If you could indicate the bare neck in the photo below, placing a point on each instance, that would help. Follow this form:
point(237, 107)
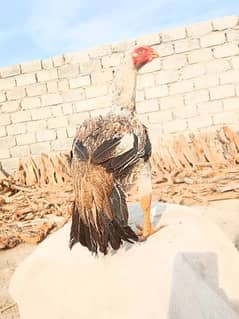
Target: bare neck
point(124, 86)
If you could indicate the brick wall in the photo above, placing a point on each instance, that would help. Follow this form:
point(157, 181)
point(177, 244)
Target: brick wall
point(194, 85)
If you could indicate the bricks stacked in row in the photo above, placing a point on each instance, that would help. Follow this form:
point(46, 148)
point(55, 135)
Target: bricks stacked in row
point(193, 85)
point(42, 102)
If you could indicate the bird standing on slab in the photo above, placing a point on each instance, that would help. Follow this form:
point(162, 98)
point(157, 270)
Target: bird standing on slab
point(109, 155)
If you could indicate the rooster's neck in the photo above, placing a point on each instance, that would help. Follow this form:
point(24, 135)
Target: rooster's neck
point(124, 86)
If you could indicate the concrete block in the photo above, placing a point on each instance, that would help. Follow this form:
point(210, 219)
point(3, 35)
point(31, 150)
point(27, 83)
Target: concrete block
point(57, 122)
point(10, 107)
point(213, 39)
point(225, 22)
point(31, 66)
point(226, 118)
point(36, 89)
point(232, 35)
point(174, 126)
point(25, 79)
point(102, 76)
point(25, 139)
point(45, 135)
point(62, 145)
point(149, 39)
point(20, 116)
point(63, 85)
point(226, 50)
point(196, 97)
point(174, 62)
point(16, 93)
point(206, 81)
point(100, 51)
point(52, 87)
point(47, 75)
point(47, 64)
point(192, 71)
point(41, 113)
point(5, 119)
point(67, 108)
point(185, 112)
point(3, 131)
point(68, 71)
point(51, 99)
point(217, 66)
point(97, 90)
point(76, 57)
point(160, 117)
point(7, 142)
point(36, 125)
point(61, 133)
point(231, 76)
point(199, 29)
point(173, 34)
point(20, 151)
point(201, 55)
point(181, 87)
point(11, 70)
point(199, 122)
point(231, 104)
point(235, 62)
point(222, 91)
point(56, 110)
point(139, 96)
point(15, 129)
point(145, 80)
point(147, 106)
point(210, 107)
point(73, 95)
point(71, 131)
point(164, 49)
point(111, 61)
point(4, 153)
point(58, 60)
point(2, 97)
point(39, 148)
point(81, 81)
point(171, 102)
point(186, 45)
point(7, 84)
point(153, 66)
point(151, 93)
point(165, 77)
point(30, 103)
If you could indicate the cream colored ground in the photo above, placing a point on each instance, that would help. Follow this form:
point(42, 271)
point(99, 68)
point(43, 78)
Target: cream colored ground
point(224, 213)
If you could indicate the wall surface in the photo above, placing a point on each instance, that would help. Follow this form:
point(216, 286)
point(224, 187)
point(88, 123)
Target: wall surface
point(194, 85)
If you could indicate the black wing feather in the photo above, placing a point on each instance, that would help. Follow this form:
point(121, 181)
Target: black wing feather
point(105, 150)
point(79, 150)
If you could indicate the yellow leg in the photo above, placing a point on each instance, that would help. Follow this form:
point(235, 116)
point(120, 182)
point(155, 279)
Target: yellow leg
point(145, 203)
point(147, 229)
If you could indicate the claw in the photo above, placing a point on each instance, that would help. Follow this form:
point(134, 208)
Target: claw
point(143, 234)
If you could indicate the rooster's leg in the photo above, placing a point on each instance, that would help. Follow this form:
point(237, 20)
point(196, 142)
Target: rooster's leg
point(147, 228)
point(145, 192)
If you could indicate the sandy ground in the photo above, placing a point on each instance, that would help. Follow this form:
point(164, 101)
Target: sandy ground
point(224, 213)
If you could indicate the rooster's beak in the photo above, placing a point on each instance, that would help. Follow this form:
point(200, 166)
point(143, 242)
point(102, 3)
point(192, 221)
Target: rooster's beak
point(155, 55)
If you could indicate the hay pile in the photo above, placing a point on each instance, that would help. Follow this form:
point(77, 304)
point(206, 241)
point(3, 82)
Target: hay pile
point(194, 169)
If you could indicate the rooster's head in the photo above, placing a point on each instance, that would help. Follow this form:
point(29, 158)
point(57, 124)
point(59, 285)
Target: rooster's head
point(142, 55)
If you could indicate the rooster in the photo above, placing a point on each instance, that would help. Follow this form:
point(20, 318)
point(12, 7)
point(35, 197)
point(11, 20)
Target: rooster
point(109, 155)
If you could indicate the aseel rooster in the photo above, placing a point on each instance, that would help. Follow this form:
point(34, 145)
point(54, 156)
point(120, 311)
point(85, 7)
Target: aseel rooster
point(109, 155)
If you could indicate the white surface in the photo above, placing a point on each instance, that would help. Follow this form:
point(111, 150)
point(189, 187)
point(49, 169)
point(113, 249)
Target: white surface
point(187, 270)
